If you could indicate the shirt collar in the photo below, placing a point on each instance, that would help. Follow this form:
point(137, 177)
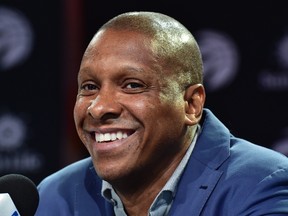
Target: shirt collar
point(165, 196)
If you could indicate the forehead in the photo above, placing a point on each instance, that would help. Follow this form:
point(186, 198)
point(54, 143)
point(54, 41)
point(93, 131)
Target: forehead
point(114, 47)
point(116, 39)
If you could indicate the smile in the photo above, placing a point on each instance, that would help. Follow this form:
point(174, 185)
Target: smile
point(107, 137)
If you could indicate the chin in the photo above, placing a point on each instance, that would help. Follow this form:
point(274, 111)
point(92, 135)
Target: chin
point(109, 172)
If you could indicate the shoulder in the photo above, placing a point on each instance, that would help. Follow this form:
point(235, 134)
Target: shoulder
point(249, 156)
point(229, 151)
point(69, 174)
point(247, 173)
point(64, 184)
point(75, 187)
point(255, 174)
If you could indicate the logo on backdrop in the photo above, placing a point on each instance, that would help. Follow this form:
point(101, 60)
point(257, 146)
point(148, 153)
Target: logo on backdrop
point(220, 57)
point(12, 132)
point(276, 78)
point(16, 38)
point(14, 156)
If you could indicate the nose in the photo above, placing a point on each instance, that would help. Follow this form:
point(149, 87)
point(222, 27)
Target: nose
point(104, 106)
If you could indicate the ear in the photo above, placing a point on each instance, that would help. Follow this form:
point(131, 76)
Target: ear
point(194, 102)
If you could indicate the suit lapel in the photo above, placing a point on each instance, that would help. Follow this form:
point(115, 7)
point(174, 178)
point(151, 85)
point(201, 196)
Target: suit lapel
point(202, 173)
point(88, 199)
point(195, 187)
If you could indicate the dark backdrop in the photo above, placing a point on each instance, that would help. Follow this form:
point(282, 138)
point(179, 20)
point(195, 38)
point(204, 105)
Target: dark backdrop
point(245, 52)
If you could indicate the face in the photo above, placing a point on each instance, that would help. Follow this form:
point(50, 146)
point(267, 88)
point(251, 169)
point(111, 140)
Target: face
point(129, 114)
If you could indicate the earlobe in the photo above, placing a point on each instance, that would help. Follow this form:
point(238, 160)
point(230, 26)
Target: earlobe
point(194, 103)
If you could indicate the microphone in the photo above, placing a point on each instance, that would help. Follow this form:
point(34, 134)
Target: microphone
point(7, 206)
point(18, 196)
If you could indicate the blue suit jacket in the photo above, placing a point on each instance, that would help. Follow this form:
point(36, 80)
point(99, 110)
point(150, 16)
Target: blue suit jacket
point(224, 176)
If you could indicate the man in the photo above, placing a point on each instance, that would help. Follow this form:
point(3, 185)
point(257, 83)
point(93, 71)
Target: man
point(154, 149)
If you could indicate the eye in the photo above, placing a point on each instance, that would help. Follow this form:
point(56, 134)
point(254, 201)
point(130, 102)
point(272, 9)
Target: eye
point(134, 85)
point(88, 87)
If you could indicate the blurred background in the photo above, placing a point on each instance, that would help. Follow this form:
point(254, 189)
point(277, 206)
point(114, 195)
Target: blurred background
point(245, 53)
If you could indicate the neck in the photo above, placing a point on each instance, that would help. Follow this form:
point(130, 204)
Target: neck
point(138, 192)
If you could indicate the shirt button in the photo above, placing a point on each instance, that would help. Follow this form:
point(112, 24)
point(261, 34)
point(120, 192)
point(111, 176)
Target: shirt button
point(114, 202)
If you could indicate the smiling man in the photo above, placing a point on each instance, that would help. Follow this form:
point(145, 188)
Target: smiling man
point(154, 149)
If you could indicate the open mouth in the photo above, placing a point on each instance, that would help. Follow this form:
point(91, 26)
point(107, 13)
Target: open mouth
point(109, 137)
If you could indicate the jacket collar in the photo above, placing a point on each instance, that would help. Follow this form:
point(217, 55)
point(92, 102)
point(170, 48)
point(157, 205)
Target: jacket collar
point(201, 174)
point(199, 178)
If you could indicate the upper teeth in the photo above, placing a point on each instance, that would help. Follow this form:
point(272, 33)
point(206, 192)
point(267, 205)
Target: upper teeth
point(100, 137)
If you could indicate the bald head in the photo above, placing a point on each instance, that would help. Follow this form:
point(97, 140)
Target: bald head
point(171, 43)
point(141, 75)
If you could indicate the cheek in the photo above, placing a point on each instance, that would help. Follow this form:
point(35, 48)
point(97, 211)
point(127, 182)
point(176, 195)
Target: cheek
point(76, 112)
point(143, 107)
point(161, 117)
point(170, 119)
point(157, 110)
point(147, 103)
point(79, 112)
